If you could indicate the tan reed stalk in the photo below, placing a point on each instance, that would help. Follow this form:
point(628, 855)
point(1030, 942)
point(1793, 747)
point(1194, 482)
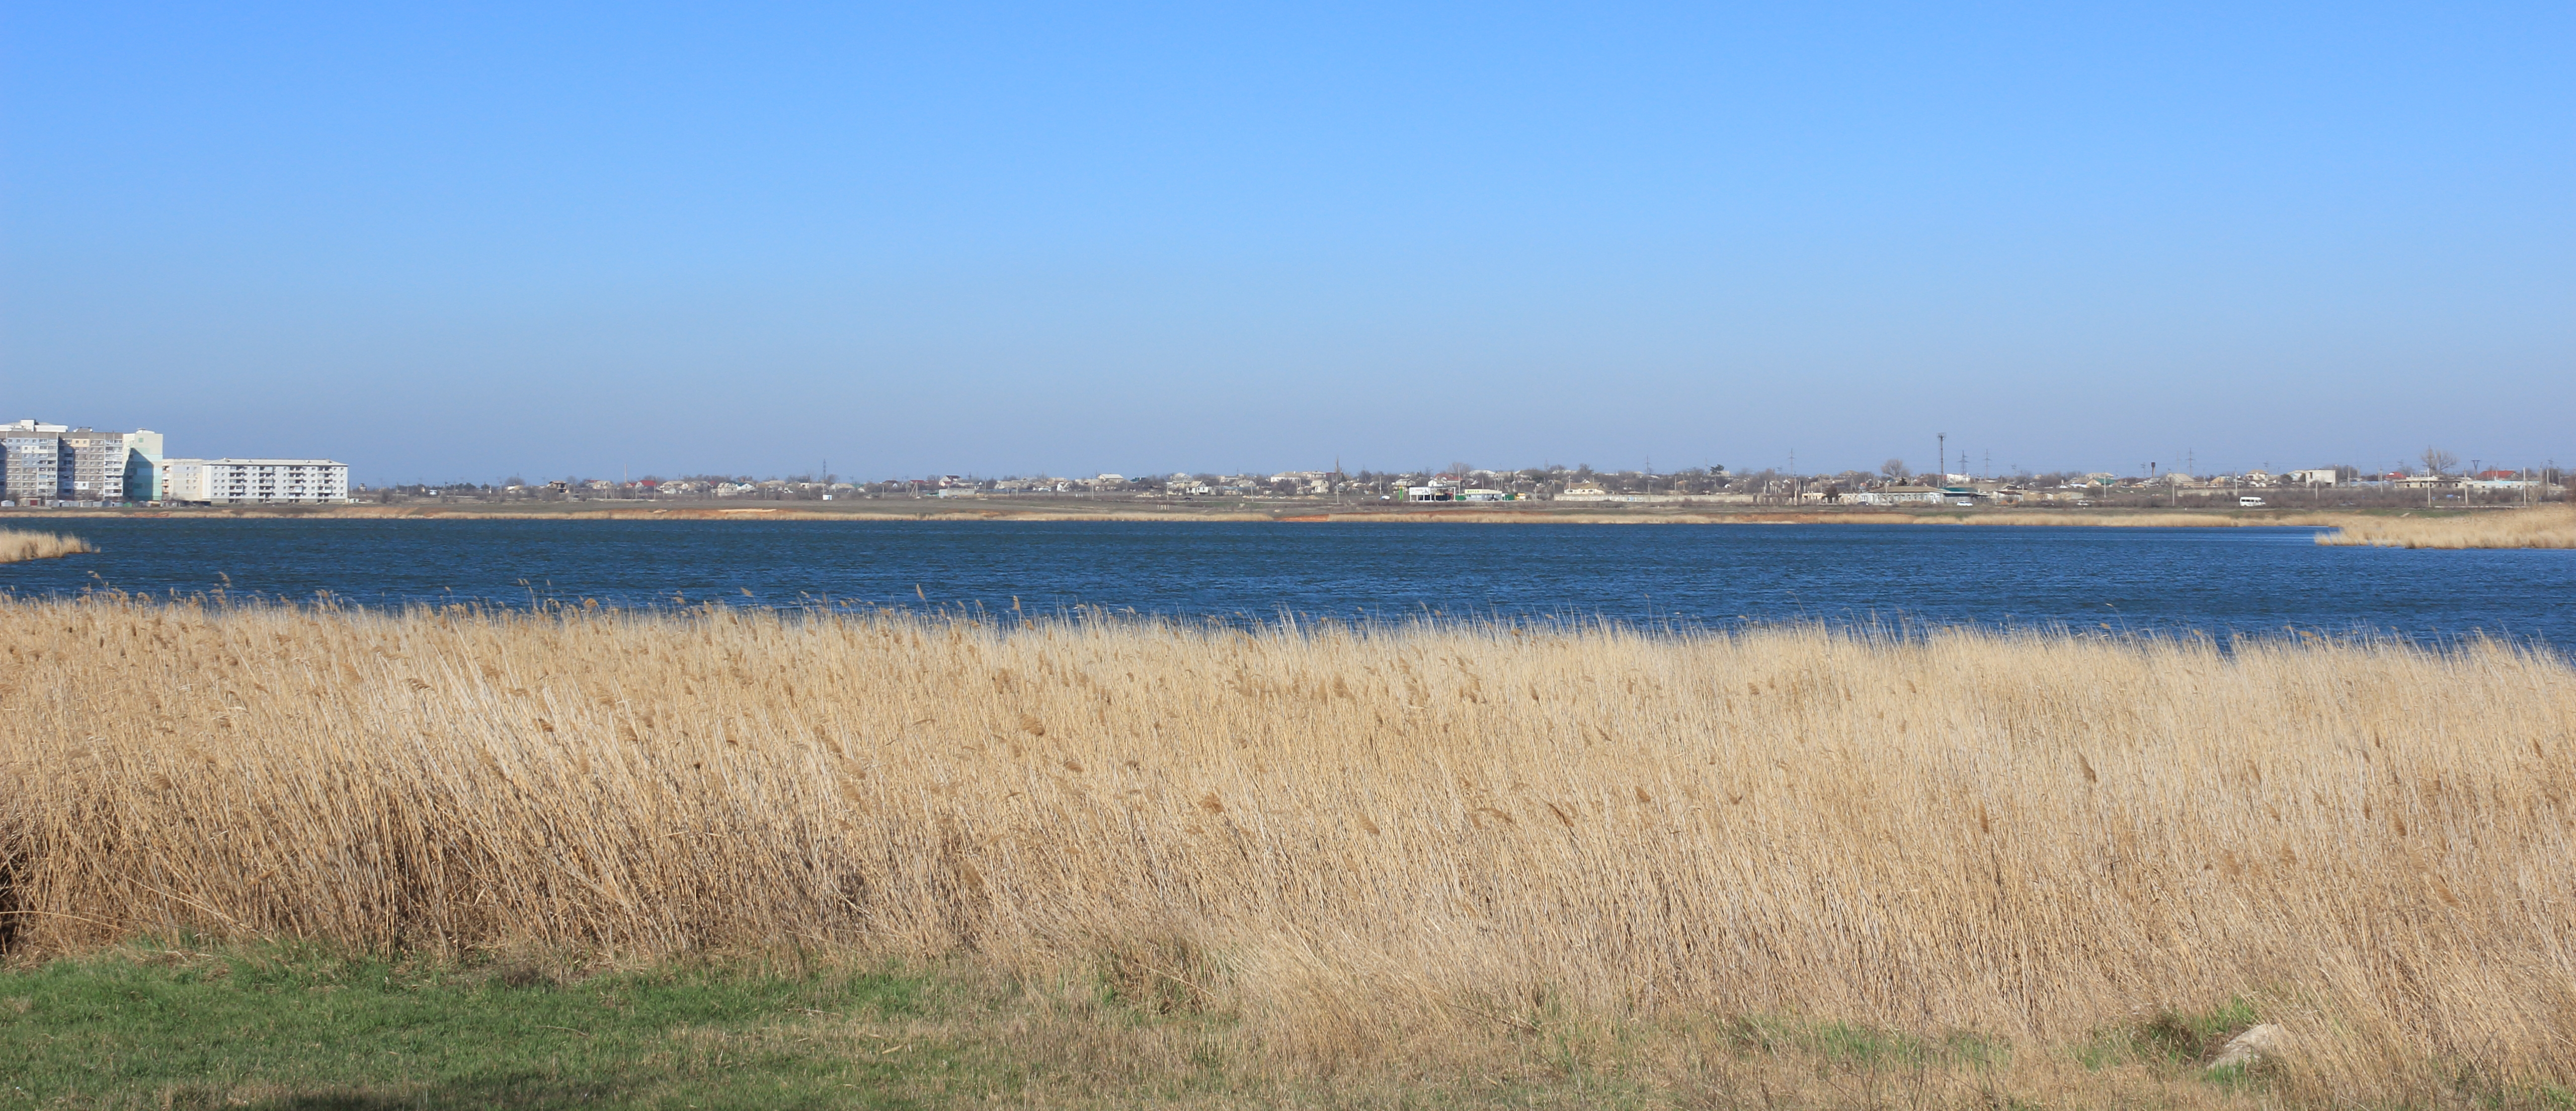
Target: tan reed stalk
point(1354, 838)
point(17, 545)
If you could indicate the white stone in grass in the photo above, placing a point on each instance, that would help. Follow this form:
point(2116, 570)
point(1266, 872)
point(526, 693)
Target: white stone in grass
point(2267, 1040)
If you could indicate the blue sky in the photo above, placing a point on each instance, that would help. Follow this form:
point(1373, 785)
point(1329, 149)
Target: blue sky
point(466, 241)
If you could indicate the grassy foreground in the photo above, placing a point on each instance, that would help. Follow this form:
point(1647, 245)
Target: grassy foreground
point(289, 1026)
point(1784, 866)
point(294, 1026)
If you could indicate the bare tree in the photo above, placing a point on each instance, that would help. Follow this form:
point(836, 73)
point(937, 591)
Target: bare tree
point(1893, 468)
point(2438, 461)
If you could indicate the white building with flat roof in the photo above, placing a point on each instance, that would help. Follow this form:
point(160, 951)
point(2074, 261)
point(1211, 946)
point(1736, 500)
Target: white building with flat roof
point(254, 481)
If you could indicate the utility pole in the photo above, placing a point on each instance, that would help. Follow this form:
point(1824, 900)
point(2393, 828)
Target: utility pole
point(1941, 459)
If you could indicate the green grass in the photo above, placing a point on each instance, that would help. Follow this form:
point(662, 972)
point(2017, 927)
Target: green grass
point(289, 1028)
point(301, 1027)
point(2175, 1038)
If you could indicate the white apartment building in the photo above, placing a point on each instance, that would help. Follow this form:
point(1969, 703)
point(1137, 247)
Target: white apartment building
point(251, 481)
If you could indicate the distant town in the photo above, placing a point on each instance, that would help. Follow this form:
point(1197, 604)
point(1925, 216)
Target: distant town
point(65, 466)
point(1891, 485)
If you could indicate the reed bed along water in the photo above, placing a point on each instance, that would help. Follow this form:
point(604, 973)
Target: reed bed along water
point(1356, 840)
point(2544, 527)
point(18, 544)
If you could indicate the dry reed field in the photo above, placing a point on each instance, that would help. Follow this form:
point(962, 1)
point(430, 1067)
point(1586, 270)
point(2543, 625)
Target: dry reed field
point(1407, 844)
point(17, 545)
point(2545, 527)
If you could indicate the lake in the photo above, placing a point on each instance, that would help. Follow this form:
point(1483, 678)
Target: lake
point(2220, 580)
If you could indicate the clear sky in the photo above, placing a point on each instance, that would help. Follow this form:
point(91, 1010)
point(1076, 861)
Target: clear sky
point(446, 241)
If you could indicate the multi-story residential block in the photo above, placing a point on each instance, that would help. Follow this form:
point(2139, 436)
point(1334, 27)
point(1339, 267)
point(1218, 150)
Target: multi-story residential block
point(32, 468)
point(183, 480)
point(239, 481)
point(93, 466)
point(42, 463)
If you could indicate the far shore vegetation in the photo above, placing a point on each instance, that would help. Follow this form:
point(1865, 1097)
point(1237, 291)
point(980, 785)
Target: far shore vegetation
point(298, 857)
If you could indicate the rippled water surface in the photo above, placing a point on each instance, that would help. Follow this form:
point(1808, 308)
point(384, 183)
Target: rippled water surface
point(2215, 580)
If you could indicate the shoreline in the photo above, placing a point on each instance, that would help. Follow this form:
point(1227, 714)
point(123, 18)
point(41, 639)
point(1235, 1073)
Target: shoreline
point(1132, 512)
point(2547, 526)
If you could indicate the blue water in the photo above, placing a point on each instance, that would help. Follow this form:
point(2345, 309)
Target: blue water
point(2257, 580)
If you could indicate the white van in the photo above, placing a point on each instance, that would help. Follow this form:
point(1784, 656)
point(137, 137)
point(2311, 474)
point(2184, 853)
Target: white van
point(2249, 501)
